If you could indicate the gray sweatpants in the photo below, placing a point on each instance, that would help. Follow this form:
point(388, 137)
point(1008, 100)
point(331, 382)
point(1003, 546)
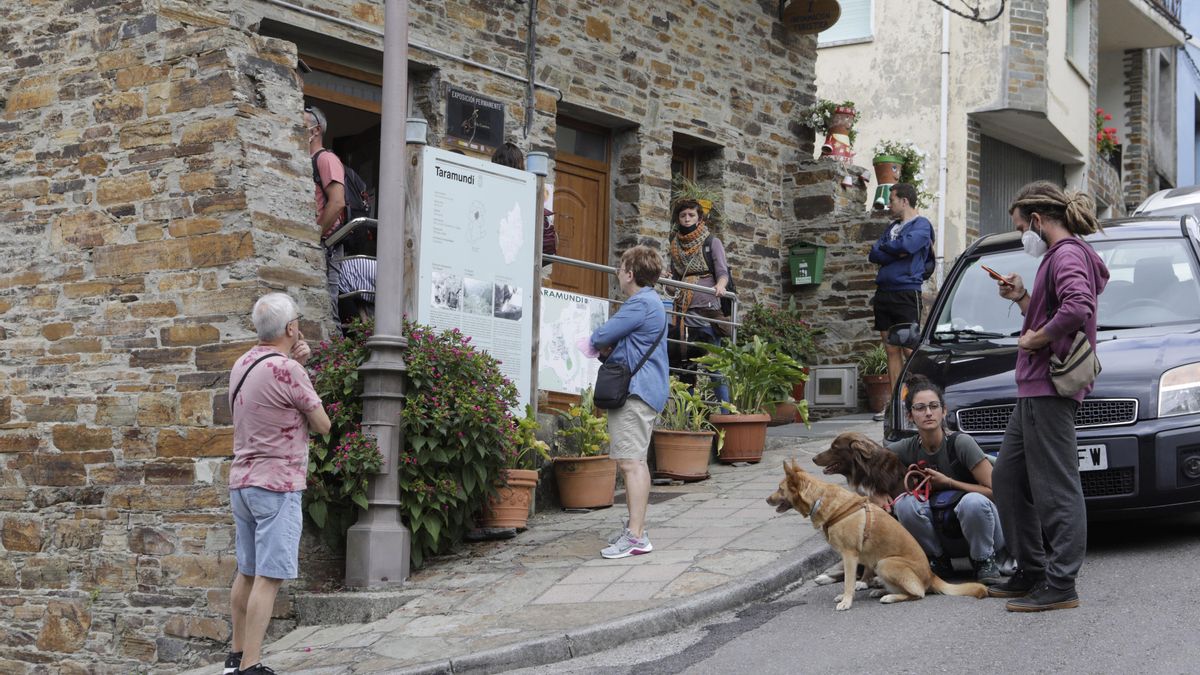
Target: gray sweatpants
point(1037, 490)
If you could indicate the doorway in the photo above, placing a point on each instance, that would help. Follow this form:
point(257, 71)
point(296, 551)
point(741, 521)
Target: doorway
point(351, 100)
point(581, 205)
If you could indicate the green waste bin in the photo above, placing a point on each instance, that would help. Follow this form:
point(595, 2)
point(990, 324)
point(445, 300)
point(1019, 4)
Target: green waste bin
point(806, 261)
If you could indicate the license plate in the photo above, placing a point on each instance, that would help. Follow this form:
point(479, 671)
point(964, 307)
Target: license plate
point(1093, 458)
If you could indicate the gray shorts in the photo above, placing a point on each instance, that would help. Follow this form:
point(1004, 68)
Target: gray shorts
point(629, 429)
point(268, 532)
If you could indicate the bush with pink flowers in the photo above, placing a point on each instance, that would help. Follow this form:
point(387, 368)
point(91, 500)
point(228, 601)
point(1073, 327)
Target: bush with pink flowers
point(1106, 137)
point(459, 433)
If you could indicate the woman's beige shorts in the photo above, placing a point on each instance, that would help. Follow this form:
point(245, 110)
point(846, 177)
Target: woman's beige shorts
point(629, 429)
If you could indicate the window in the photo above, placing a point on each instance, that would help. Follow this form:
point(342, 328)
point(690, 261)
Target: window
point(1079, 23)
point(856, 24)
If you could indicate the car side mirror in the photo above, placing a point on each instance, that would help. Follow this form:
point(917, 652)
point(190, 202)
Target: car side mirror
point(907, 335)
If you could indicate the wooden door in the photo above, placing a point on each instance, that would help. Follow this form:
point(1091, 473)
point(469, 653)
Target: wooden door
point(581, 219)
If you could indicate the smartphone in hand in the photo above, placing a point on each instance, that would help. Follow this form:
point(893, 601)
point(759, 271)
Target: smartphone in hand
point(994, 274)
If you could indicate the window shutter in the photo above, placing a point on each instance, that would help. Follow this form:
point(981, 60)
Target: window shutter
point(853, 24)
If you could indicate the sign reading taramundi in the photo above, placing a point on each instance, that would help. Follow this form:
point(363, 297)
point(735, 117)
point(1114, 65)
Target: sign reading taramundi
point(478, 237)
point(810, 16)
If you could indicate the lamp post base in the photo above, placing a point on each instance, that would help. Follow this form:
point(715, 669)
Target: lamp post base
point(377, 554)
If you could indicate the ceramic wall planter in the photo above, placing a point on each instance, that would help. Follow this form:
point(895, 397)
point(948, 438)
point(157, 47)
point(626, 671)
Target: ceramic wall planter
point(745, 437)
point(682, 455)
point(837, 140)
point(887, 174)
point(510, 506)
point(586, 482)
point(879, 390)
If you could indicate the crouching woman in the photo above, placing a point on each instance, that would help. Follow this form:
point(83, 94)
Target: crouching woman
point(952, 462)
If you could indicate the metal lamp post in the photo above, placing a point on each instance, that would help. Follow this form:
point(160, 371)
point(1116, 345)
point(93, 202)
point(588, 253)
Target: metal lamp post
point(377, 546)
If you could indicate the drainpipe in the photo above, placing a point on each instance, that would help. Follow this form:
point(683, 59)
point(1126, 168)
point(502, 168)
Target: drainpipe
point(943, 152)
point(530, 59)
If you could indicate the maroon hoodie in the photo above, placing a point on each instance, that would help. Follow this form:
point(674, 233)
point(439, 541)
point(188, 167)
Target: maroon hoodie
point(1079, 277)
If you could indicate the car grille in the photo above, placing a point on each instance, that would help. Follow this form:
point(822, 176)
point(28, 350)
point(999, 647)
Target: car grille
point(1095, 412)
point(1107, 483)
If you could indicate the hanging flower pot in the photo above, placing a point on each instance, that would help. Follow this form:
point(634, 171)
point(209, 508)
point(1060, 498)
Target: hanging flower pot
point(838, 142)
point(887, 168)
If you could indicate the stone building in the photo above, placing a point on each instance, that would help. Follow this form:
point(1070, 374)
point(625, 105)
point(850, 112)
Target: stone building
point(1021, 94)
point(156, 182)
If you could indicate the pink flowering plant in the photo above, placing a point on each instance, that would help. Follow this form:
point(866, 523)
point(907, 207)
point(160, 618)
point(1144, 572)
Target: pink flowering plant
point(1106, 137)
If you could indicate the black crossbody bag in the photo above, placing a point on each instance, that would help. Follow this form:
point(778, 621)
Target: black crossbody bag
point(612, 382)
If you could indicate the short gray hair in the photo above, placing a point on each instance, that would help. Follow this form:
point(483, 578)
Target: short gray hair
point(318, 116)
point(271, 315)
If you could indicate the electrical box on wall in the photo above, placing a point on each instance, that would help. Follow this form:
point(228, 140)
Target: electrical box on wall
point(832, 386)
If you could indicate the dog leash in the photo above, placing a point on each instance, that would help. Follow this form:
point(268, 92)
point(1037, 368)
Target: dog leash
point(916, 483)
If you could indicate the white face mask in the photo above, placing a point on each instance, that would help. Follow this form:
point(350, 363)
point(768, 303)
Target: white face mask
point(1033, 244)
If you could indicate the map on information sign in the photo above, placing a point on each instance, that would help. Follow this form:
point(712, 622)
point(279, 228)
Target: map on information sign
point(567, 318)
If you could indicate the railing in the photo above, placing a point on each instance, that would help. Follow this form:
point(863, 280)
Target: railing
point(1171, 8)
point(732, 323)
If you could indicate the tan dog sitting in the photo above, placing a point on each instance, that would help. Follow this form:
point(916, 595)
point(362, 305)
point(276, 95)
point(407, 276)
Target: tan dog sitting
point(862, 532)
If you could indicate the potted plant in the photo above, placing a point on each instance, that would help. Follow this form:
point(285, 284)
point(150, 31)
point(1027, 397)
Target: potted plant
point(836, 121)
point(509, 507)
point(912, 166)
point(684, 435)
point(873, 366)
point(759, 373)
point(586, 476)
point(797, 337)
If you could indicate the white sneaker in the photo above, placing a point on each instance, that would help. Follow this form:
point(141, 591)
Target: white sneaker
point(627, 545)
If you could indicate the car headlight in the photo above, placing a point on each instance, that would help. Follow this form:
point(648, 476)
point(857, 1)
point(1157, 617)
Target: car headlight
point(1179, 391)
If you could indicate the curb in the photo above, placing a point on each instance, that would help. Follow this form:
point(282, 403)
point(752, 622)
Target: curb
point(806, 561)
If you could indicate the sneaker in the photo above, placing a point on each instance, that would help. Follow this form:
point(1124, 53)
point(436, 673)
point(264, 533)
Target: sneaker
point(1044, 597)
point(257, 669)
point(1018, 585)
point(879, 416)
point(942, 566)
point(627, 545)
point(231, 663)
point(987, 571)
point(625, 526)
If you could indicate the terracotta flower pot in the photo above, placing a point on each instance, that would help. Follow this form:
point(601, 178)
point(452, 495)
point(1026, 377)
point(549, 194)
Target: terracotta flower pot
point(510, 506)
point(783, 413)
point(586, 482)
point(837, 139)
point(887, 169)
point(682, 455)
point(879, 390)
point(745, 437)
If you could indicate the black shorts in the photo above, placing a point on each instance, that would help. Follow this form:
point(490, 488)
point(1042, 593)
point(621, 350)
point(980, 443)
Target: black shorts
point(893, 307)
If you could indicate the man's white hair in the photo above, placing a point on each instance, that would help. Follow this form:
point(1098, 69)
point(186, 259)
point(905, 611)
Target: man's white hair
point(271, 315)
point(319, 117)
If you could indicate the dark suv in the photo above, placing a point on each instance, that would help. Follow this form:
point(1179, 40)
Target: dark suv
point(1139, 429)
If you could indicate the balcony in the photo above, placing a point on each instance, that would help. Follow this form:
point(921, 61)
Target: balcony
point(1139, 24)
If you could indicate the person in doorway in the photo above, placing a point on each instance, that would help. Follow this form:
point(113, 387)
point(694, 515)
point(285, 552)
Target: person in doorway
point(510, 155)
point(698, 257)
point(329, 177)
point(638, 327)
point(1036, 481)
point(900, 252)
point(274, 408)
point(952, 462)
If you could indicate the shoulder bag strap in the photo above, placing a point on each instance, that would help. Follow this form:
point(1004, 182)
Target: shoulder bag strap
point(651, 350)
point(242, 381)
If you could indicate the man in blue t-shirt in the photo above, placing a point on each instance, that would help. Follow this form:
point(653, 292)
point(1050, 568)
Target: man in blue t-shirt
point(900, 252)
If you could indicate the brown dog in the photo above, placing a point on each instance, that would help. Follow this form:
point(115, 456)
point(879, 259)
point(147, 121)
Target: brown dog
point(863, 532)
point(870, 469)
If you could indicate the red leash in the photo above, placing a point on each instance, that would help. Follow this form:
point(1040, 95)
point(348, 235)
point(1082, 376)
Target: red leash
point(916, 483)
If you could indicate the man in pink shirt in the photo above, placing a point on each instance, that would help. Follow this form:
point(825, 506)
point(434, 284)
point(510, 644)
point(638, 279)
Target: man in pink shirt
point(329, 179)
point(274, 408)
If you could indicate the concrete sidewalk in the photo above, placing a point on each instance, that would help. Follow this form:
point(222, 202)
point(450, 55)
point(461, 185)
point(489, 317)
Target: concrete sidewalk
point(547, 595)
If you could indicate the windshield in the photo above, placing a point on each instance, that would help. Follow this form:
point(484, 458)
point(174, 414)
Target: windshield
point(1151, 282)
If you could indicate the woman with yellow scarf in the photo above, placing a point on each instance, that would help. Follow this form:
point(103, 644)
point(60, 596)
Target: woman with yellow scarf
point(689, 237)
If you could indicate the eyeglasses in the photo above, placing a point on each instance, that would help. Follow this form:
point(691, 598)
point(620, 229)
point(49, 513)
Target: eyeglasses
point(296, 318)
point(922, 407)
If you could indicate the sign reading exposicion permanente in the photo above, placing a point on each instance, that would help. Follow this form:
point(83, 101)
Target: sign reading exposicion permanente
point(477, 121)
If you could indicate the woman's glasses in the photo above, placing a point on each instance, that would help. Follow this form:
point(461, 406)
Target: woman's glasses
point(922, 407)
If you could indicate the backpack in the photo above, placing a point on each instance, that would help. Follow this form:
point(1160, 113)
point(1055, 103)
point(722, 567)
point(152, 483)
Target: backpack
point(942, 503)
point(358, 204)
point(930, 258)
point(726, 303)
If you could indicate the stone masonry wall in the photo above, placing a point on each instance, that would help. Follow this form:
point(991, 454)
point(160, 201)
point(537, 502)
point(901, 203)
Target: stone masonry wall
point(1137, 155)
point(155, 183)
point(1027, 55)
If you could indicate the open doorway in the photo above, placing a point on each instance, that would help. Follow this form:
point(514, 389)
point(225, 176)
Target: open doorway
point(351, 101)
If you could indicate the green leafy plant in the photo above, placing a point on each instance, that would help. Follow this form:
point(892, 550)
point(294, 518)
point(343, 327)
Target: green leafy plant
point(709, 198)
point(784, 326)
point(689, 406)
point(458, 428)
point(913, 166)
point(581, 432)
point(873, 361)
point(526, 448)
point(819, 115)
point(340, 463)
point(759, 373)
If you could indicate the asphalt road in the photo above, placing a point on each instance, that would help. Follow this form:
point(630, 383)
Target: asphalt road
point(1140, 613)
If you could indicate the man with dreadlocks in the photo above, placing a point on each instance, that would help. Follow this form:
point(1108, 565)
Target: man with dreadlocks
point(690, 237)
point(1036, 480)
